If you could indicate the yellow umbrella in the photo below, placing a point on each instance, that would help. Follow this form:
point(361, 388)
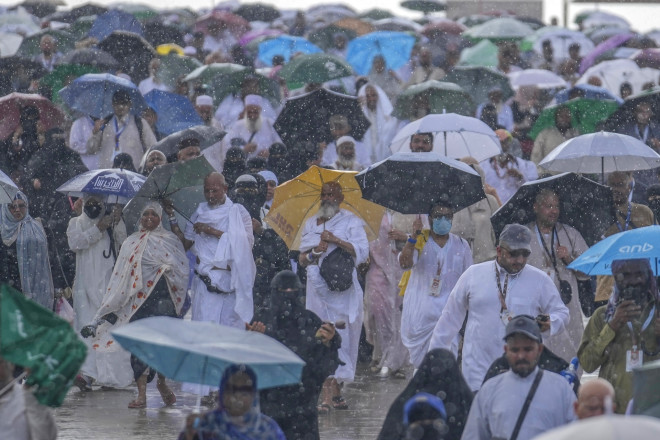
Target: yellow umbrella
point(299, 199)
point(166, 49)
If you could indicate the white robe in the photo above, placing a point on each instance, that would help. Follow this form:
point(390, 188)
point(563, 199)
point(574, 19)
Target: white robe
point(529, 292)
point(93, 273)
point(232, 106)
point(496, 407)
point(383, 126)
point(421, 311)
point(338, 306)
point(264, 137)
point(505, 185)
point(81, 131)
point(103, 142)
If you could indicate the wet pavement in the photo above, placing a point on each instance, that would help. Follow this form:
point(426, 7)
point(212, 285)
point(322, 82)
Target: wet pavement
point(104, 414)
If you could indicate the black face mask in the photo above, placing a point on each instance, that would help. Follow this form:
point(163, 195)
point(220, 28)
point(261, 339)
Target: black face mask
point(93, 210)
point(655, 207)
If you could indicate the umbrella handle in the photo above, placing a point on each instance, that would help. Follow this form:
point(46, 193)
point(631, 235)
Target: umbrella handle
point(182, 214)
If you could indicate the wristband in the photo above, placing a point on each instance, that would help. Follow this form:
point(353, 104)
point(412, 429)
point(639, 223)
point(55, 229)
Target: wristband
point(315, 254)
point(412, 240)
point(173, 220)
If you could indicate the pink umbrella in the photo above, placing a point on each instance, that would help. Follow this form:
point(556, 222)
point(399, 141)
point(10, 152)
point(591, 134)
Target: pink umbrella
point(237, 25)
point(443, 26)
point(647, 58)
point(611, 43)
point(251, 35)
point(10, 112)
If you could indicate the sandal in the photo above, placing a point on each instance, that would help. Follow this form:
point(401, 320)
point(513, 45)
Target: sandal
point(137, 404)
point(323, 409)
point(81, 383)
point(338, 402)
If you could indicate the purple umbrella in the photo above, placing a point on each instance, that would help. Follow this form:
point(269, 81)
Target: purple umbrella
point(611, 43)
point(251, 35)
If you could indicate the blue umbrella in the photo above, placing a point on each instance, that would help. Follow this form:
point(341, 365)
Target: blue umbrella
point(121, 184)
point(286, 46)
point(589, 92)
point(395, 47)
point(636, 243)
point(114, 20)
point(198, 352)
point(175, 112)
point(91, 94)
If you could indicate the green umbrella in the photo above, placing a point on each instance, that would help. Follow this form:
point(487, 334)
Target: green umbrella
point(325, 37)
point(30, 45)
point(585, 115)
point(425, 6)
point(527, 44)
point(442, 97)
point(62, 75)
point(376, 14)
point(478, 81)
point(205, 73)
point(140, 11)
point(315, 68)
point(646, 391)
point(483, 54)
point(499, 29)
point(80, 28)
point(173, 67)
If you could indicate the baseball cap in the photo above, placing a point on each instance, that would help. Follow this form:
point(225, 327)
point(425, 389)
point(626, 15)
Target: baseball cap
point(515, 236)
point(523, 325)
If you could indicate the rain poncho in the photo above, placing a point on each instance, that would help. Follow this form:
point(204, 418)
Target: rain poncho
point(383, 126)
point(32, 253)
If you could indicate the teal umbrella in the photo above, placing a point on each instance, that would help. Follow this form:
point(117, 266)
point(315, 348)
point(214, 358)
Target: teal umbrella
point(436, 96)
point(478, 81)
point(586, 114)
point(499, 29)
point(483, 54)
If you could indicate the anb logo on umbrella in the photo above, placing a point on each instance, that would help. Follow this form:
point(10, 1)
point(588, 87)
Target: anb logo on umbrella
point(109, 181)
point(646, 247)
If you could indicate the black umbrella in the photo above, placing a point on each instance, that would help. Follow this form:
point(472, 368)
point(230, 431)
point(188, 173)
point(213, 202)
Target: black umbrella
point(625, 114)
point(425, 6)
point(158, 33)
point(410, 183)
point(91, 57)
point(38, 8)
point(305, 117)
point(132, 51)
point(584, 204)
point(207, 136)
point(257, 12)
point(75, 13)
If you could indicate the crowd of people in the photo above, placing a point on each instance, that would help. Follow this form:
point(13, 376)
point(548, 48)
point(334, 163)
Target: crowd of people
point(438, 292)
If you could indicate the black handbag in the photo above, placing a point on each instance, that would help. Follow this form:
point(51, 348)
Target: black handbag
point(337, 270)
point(565, 290)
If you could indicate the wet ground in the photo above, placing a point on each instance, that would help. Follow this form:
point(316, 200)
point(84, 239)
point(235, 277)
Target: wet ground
point(104, 414)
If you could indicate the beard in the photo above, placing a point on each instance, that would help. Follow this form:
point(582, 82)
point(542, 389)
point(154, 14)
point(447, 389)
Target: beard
point(253, 126)
point(345, 162)
point(328, 209)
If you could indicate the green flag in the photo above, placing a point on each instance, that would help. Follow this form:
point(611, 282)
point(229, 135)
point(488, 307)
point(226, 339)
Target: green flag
point(35, 338)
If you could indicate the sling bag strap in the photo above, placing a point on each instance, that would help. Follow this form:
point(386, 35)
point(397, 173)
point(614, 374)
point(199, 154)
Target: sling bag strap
point(528, 401)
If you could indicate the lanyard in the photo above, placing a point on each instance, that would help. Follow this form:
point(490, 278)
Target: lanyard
point(501, 292)
point(118, 132)
point(550, 253)
point(627, 223)
point(641, 136)
point(644, 326)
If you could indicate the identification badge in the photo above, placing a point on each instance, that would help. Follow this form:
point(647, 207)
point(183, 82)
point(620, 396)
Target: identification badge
point(436, 285)
point(634, 359)
point(506, 316)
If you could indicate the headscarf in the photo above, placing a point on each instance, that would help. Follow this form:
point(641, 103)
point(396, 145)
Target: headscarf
point(143, 162)
point(234, 166)
point(31, 252)
point(217, 424)
point(380, 134)
point(145, 256)
point(438, 375)
point(641, 264)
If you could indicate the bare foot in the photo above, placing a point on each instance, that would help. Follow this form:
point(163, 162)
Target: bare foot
point(137, 404)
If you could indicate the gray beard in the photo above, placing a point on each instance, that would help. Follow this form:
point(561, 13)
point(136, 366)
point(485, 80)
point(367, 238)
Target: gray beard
point(327, 210)
point(345, 163)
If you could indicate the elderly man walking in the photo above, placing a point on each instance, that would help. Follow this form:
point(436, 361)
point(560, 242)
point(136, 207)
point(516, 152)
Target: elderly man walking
point(335, 235)
point(254, 128)
point(490, 294)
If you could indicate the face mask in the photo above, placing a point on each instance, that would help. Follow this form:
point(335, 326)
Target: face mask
point(93, 210)
point(441, 226)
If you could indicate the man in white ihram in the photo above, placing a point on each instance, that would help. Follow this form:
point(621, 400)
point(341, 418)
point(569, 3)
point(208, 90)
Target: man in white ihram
point(255, 128)
point(330, 229)
point(493, 292)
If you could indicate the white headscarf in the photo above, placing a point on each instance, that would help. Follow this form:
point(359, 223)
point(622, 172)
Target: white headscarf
point(379, 135)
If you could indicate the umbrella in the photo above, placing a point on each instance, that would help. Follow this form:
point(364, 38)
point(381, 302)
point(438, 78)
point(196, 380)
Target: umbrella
point(81, 27)
point(543, 79)
point(586, 115)
point(286, 46)
point(454, 136)
point(561, 39)
point(394, 47)
point(609, 44)
point(62, 75)
point(398, 24)
point(173, 67)
point(306, 117)
point(207, 72)
point(597, 19)
point(425, 6)
point(10, 43)
point(258, 33)
point(10, 107)
point(410, 182)
point(355, 24)
point(436, 97)
point(157, 33)
point(607, 427)
point(615, 72)
point(107, 182)
point(601, 152)
point(132, 51)
point(30, 45)
point(635, 243)
point(484, 54)
point(329, 13)
point(315, 68)
point(170, 49)
point(499, 29)
point(645, 390)
point(443, 26)
point(298, 199)
point(198, 352)
point(19, 21)
point(138, 10)
point(91, 94)
point(8, 188)
point(376, 14)
point(207, 136)
point(587, 91)
point(257, 12)
point(237, 25)
point(175, 112)
point(114, 20)
point(478, 81)
point(180, 182)
point(584, 205)
point(626, 113)
point(223, 79)
point(647, 58)
point(74, 14)
point(91, 57)
point(325, 36)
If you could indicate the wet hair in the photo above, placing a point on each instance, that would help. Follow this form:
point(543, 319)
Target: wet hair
point(123, 161)
point(189, 142)
point(121, 97)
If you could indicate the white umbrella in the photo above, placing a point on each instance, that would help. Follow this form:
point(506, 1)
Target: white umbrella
point(561, 39)
point(543, 79)
point(8, 188)
point(607, 427)
point(613, 73)
point(454, 136)
point(599, 19)
point(601, 152)
point(9, 43)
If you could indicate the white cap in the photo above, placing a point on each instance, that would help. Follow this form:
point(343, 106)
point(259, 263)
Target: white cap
point(253, 100)
point(189, 50)
point(269, 175)
point(344, 139)
point(204, 100)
